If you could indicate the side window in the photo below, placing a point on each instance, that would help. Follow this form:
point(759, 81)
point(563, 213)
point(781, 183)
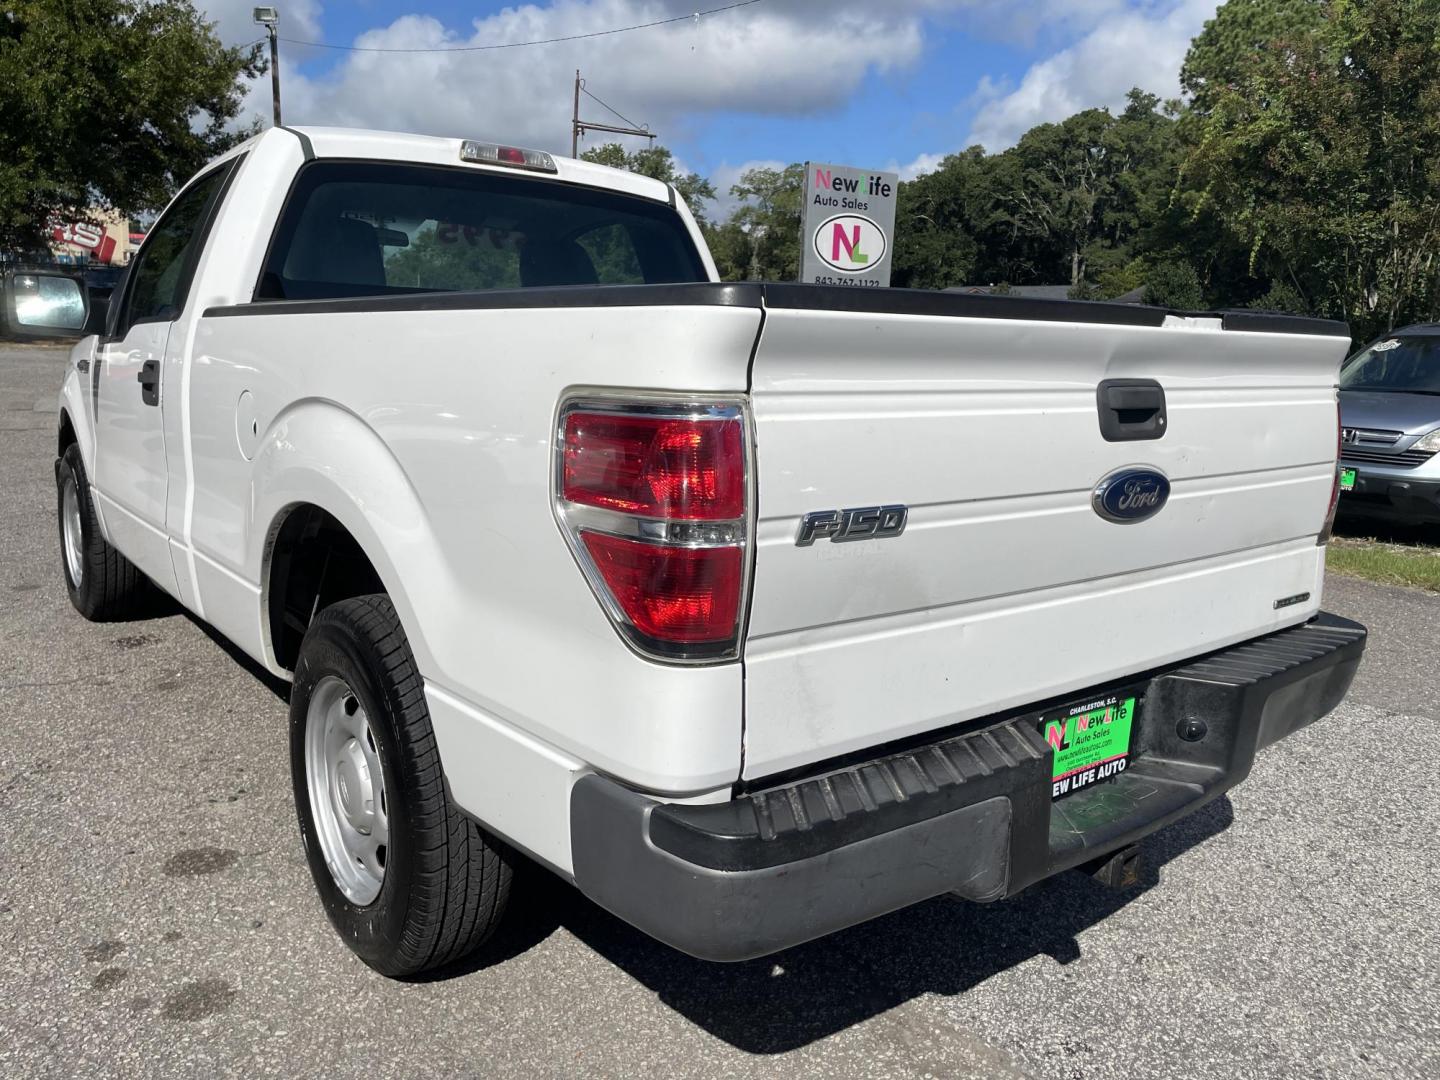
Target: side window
point(160, 275)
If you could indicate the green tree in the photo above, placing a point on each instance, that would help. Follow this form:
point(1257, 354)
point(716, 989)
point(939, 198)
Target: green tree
point(454, 257)
point(1174, 285)
point(940, 220)
point(1080, 193)
point(108, 103)
point(1316, 148)
point(761, 239)
point(1228, 43)
point(1053, 194)
point(658, 163)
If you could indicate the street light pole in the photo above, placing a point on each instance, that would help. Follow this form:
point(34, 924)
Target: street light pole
point(269, 18)
point(575, 120)
point(275, 72)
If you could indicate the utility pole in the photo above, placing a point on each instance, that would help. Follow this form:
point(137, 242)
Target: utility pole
point(578, 127)
point(575, 119)
point(269, 18)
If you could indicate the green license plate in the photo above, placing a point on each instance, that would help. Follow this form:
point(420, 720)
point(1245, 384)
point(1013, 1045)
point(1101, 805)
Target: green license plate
point(1347, 479)
point(1091, 743)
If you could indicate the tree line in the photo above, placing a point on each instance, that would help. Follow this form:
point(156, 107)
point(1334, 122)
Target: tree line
point(1300, 173)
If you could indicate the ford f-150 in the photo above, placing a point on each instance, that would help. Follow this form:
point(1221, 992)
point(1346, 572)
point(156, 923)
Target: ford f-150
point(755, 610)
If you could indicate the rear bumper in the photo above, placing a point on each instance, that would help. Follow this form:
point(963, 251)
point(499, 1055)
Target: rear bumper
point(969, 813)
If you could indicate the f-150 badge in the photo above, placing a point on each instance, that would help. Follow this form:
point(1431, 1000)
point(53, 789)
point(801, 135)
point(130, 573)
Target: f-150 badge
point(856, 523)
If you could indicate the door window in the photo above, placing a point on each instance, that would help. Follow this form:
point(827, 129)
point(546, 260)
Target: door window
point(160, 276)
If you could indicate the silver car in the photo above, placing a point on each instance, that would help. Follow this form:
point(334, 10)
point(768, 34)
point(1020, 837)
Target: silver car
point(1390, 427)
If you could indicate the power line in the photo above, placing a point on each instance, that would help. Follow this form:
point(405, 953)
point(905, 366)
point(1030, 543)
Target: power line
point(523, 44)
point(612, 108)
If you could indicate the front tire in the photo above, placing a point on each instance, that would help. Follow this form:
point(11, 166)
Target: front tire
point(102, 583)
point(406, 879)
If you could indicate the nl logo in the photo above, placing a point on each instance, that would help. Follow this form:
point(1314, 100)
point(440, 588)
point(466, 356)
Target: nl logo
point(849, 243)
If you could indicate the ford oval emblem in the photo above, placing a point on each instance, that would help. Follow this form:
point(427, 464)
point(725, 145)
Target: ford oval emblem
point(1131, 494)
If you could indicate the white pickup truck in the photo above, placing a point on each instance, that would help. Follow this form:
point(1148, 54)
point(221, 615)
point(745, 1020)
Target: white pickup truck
point(754, 610)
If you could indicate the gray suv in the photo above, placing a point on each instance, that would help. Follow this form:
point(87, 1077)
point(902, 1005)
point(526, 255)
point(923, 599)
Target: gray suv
point(1390, 427)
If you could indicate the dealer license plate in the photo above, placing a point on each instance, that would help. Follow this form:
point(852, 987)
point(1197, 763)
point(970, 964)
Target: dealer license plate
point(1091, 741)
point(1347, 479)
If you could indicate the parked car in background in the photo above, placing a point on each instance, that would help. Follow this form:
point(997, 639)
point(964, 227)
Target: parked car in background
point(1390, 427)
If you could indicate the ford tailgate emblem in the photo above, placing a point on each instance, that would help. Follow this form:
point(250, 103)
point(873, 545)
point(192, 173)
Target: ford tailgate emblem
point(1131, 494)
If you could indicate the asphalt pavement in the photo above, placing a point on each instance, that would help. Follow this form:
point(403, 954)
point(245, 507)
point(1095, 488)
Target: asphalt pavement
point(157, 917)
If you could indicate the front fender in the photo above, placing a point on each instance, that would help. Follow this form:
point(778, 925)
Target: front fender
point(75, 400)
point(319, 453)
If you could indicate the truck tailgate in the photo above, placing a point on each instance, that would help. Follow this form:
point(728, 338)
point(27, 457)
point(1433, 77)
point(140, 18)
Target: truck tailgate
point(1006, 587)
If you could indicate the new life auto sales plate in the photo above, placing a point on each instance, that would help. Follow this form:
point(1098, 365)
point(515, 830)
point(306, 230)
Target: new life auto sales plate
point(1091, 742)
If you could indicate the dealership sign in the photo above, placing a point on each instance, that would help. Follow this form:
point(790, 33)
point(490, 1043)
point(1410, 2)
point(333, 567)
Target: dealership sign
point(848, 225)
point(87, 235)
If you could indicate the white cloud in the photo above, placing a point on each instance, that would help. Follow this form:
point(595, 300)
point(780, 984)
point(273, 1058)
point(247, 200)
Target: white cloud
point(1142, 47)
point(799, 58)
point(924, 163)
point(795, 59)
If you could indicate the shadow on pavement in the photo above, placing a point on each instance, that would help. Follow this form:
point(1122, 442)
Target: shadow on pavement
point(277, 686)
point(785, 1001)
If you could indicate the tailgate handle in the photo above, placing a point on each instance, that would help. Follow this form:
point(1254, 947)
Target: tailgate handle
point(1131, 409)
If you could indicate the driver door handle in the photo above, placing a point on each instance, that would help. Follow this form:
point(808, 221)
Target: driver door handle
point(149, 380)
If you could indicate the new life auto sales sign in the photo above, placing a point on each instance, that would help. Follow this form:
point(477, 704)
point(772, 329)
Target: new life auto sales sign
point(847, 225)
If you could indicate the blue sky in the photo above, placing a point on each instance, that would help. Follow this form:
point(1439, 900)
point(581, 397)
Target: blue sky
point(875, 83)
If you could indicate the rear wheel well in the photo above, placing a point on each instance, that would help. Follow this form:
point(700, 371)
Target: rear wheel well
point(314, 562)
point(67, 433)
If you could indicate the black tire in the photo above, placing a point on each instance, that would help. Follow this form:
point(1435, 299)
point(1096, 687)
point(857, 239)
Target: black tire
point(109, 587)
point(446, 881)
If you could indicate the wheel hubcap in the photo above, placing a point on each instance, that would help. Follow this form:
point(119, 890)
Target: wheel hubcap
point(347, 790)
point(70, 530)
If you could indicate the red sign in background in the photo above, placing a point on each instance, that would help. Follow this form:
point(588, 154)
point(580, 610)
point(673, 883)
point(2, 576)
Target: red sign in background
point(87, 235)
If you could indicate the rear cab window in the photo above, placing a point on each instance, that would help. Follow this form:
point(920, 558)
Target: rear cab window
point(383, 228)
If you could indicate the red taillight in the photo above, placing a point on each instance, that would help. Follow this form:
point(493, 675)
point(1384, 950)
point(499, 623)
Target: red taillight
point(684, 595)
point(678, 468)
point(653, 499)
point(510, 155)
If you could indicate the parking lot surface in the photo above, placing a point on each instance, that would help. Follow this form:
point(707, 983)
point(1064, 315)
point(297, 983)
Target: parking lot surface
point(157, 916)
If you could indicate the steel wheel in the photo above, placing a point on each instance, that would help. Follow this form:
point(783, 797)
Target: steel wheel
point(70, 527)
point(347, 790)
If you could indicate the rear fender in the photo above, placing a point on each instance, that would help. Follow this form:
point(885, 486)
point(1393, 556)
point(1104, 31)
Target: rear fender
point(320, 454)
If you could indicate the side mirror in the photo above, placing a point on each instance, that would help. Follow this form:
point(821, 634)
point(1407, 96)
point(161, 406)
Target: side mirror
point(44, 303)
